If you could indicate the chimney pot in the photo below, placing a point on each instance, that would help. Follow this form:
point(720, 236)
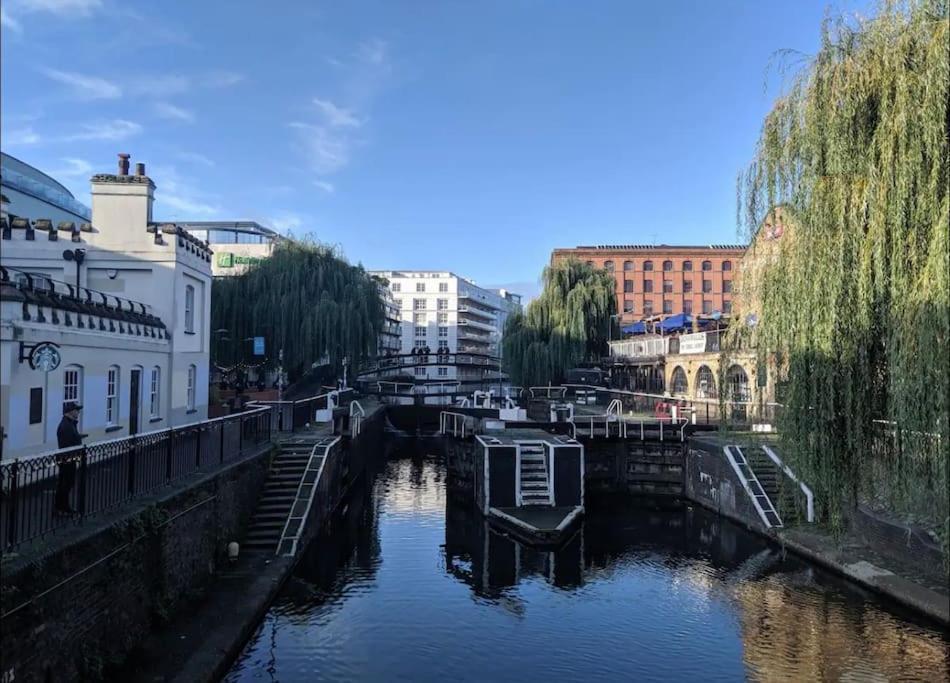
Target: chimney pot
point(124, 164)
point(139, 169)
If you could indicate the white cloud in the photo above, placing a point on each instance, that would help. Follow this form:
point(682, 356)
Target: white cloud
point(9, 22)
point(327, 150)
point(335, 116)
point(167, 110)
point(75, 168)
point(178, 193)
point(284, 221)
point(21, 137)
point(117, 129)
point(194, 209)
point(164, 85)
point(86, 87)
point(196, 158)
point(61, 7)
point(221, 79)
point(325, 186)
point(373, 51)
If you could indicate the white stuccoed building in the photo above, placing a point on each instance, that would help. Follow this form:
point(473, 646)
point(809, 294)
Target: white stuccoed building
point(440, 309)
point(123, 302)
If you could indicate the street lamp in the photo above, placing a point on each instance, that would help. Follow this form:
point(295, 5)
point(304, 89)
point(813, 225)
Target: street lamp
point(610, 326)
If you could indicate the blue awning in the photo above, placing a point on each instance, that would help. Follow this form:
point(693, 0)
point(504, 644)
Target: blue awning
point(676, 322)
point(636, 328)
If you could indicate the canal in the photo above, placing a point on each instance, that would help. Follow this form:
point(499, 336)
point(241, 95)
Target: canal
point(409, 584)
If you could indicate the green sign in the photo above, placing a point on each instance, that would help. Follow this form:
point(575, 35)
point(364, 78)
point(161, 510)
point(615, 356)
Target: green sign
point(228, 260)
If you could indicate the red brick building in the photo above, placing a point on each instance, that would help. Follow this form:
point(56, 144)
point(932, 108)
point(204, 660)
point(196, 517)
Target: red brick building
point(663, 279)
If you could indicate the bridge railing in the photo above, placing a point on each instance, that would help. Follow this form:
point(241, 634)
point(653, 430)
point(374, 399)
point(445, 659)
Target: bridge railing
point(102, 475)
point(290, 416)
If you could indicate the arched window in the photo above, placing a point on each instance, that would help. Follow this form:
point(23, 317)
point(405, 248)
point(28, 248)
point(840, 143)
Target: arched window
point(706, 383)
point(155, 392)
point(112, 395)
point(687, 265)
point(192, 380)
point(727, 265)
point(628, 265)
point(590, 263)
point(680, 385)
point(707, 265)
point(609, 266)
point(648, 265)
point(738, 383)
point(72, 386)
point(667, 266)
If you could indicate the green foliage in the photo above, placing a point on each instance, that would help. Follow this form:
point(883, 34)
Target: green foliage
point(856, 304)
point(566, 325)
point(304, 299)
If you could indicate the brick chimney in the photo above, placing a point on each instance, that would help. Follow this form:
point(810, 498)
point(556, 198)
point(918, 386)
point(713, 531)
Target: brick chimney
point(122, 203)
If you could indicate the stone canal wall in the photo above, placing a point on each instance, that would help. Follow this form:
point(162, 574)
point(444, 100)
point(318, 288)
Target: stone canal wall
point(710, 481)
point(84, 602)
point(652, 468)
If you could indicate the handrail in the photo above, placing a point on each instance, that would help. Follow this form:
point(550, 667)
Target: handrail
point(313, 492)
point(356, 417)
point(745, 485)
point(458, 423)
point(809, 496)
point(548, 389)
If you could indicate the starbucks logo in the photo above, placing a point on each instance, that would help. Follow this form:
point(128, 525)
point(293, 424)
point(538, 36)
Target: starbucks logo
point(45, 357)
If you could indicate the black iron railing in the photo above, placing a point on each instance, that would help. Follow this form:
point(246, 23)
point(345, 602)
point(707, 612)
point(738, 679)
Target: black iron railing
point(101, 475)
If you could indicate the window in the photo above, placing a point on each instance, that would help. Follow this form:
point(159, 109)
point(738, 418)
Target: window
point(667, 306)
point(155, 392)
point(590, 263)
point(41, 282)
point(443, 318)
point(420, 372)
point(627, 306)
point(727, 286)
point(36, 405)
point(418, 304)
point(667, 286)
point(420, 331)
point(647, 308)
point(72, 386)
point(442, 304)
point(707, 265)
point(688, 307)
point(112, 395)
point(648, 265)
point(192, 380)
point(687, 286)
point(420, 286)
point(680, 384)
point(398, 303)
point(189, 308)
point(687, 265)
point(707, 286)
point(609, 266)
point(419, 318)
point(727, 265)
point(648, 286)
point(667, 266)
point(628, 265)
point(707, 306)
point(443, 287)
point(727, 307)
point(444, 344)
point(443, 372)
point(397, 287)
point(705, 383)
point(628, 286)
point(443, 331)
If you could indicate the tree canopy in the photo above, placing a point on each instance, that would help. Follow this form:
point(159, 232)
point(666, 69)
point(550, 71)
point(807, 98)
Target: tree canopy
point(856, 304)
point(303, 299)
point(566, 325)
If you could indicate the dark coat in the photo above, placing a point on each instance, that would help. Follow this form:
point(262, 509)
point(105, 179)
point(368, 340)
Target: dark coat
point(67, 434)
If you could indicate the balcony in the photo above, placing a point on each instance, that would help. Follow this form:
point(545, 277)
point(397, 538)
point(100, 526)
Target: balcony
point(474, 312)
point(477, 325)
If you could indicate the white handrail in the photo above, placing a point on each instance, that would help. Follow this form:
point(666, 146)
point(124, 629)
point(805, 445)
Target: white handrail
point(458, 423)
point(356, 417)
point(745, 485)
point(310, 497)
point(809, 496)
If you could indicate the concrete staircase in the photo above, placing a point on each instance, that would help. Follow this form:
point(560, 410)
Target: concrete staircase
point(535, 487)
point(769, 476)
point(766, 502)
point(277, 499)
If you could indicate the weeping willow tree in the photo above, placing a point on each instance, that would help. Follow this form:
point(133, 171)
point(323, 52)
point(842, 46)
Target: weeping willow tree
point(566, 325)
point(305, 300)
point(854, 307)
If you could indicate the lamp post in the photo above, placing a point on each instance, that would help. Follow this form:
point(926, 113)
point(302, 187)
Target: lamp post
point(610, 326)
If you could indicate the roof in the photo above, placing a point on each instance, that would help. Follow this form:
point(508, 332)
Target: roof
point(236, 226)
point(657, 247)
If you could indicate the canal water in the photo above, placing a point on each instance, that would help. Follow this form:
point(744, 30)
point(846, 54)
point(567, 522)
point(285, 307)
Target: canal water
point(410, 584)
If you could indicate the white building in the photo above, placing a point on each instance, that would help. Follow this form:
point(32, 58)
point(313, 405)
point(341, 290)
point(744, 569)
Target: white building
point(442, 310)
point(126, 302)
point(390, 337)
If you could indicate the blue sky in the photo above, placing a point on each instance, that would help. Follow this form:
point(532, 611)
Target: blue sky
point(471, 136)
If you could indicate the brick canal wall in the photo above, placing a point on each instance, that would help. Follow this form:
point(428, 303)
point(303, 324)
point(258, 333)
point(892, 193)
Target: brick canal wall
point(84, 606)
point(710, 481)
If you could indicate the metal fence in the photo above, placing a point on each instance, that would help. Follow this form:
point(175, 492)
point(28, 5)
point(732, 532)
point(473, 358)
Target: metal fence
point(102, 475)
point(290, 416)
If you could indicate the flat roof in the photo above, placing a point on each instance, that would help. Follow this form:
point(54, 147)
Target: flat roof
point(235, 226)
point(655, 247)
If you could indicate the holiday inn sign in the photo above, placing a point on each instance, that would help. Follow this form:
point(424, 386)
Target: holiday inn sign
point(228, 260)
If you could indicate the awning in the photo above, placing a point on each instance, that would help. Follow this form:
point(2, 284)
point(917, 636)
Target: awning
point(676, 322)
point(636, 328)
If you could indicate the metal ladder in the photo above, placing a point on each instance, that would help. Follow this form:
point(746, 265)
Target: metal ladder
point(534, 484)
point(762, 500)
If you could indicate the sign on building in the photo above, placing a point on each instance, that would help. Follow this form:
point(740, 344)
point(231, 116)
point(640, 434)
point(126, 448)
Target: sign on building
point(258, 346)
point(693, 343)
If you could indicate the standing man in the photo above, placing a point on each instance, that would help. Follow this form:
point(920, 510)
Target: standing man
point(67, 436)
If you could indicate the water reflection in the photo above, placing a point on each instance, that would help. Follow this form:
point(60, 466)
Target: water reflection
point(409, 583)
